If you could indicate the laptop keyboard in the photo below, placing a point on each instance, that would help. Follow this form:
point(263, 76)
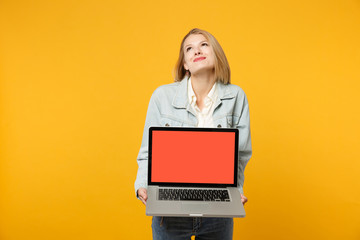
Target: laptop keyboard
point(171, 194)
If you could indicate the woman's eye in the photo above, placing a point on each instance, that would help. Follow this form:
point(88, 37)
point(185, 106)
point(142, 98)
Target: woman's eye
point(204, 44)
point(188, 49)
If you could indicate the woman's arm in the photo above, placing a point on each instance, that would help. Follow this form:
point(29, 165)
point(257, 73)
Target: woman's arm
point(152, 119)
point(245, 149)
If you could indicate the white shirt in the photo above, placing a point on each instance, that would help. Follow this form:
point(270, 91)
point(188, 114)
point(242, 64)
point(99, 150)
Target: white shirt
point(203, 116)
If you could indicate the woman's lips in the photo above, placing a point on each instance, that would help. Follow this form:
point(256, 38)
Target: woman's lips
point(199, 59)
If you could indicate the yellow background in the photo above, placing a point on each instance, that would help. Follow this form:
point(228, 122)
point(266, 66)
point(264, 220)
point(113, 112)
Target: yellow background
point(76, 78)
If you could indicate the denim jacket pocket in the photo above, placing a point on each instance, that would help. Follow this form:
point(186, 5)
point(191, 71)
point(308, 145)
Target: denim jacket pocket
point(221, 123)
point(232, 120)
point(170, 122)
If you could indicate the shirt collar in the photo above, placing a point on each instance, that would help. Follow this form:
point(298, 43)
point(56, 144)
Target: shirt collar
point(181, 96)
point(211, 97)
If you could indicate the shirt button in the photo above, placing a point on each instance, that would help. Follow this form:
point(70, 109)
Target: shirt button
point(219, 126)
point(167, 125)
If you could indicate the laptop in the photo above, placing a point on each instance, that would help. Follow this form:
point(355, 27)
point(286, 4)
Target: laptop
point(192, 172)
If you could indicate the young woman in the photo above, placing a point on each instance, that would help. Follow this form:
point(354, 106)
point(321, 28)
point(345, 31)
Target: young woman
point(201, 96)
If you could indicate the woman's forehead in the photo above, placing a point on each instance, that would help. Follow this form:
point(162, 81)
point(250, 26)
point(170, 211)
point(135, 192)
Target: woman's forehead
point(194, 38)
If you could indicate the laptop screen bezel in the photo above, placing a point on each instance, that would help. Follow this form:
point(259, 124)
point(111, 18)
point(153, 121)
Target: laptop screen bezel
point(194, 129)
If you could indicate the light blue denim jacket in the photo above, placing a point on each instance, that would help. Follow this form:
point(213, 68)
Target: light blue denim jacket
point(169, 106)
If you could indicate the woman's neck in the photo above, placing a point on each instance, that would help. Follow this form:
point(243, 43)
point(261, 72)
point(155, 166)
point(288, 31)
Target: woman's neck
point(202, 85)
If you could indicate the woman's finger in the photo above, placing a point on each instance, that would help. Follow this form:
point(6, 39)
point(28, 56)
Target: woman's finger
point(243, 199)
point(142, 195)
point(142, 200)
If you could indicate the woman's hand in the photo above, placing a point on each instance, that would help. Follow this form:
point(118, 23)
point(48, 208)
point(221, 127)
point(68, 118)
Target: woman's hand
point(243, 199)
point(142, 194)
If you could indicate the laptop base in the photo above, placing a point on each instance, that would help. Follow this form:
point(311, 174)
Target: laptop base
point(155, 207)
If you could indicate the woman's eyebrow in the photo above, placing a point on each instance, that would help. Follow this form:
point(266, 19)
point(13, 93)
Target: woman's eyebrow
point(192, 43)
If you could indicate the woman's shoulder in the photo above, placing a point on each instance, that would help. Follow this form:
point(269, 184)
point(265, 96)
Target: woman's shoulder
point(167, 89)
point(232, 89)
point(236, 88)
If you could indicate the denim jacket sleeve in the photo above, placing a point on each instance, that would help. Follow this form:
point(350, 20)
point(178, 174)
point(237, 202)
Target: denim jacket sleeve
point(152, 119)
point(245, 148)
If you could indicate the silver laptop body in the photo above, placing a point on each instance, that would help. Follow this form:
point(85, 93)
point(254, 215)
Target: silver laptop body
point(195, 159)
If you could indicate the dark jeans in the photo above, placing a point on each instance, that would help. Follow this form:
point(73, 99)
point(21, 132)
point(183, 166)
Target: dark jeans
point(182, 228)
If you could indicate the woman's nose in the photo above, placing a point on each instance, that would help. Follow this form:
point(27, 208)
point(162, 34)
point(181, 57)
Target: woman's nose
point(197, 51)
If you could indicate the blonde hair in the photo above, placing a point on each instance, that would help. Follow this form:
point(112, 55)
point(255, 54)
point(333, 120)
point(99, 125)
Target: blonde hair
point(222, 69)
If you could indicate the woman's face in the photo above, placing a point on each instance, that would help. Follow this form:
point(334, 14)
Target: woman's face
point(199, 55)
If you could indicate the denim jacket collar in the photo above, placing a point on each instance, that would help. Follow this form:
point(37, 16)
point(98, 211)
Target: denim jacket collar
point(181, 99)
